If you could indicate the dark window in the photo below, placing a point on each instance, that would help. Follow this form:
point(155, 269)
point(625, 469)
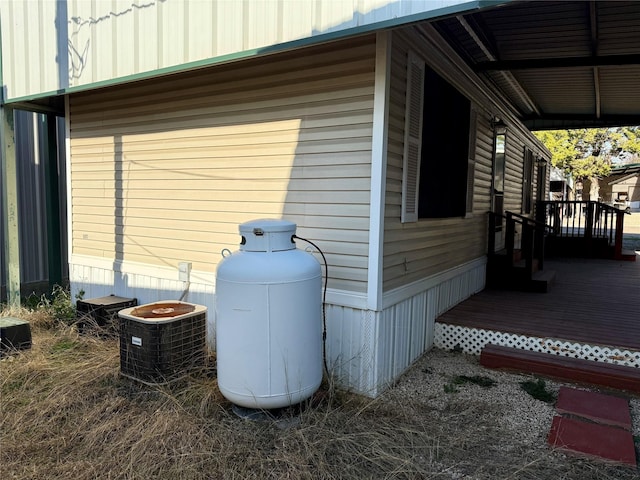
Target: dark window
point(541, 180)
point(445, 150)
point(556, 186)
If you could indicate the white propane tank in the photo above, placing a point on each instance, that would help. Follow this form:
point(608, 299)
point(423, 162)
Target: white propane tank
point(268, 319)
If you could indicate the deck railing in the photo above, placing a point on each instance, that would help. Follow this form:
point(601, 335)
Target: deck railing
point(583, 219)
point(532, 238)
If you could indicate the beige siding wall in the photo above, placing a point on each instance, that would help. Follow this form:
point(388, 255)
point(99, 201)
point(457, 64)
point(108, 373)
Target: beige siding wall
point(164, 171)
point(416, 250)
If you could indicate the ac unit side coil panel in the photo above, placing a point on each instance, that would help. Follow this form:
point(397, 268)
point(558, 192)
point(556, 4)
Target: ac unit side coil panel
point(162, 352)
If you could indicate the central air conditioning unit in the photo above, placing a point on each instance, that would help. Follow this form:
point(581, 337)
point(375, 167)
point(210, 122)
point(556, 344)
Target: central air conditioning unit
point(102, 312)
point(162, 342)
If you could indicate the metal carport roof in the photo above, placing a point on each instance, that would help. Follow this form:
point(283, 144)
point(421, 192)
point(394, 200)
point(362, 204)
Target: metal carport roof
point(562, 65)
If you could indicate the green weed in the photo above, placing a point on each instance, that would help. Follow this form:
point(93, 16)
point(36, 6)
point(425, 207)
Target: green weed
point(60, 304)
point(64, 345)
point(480, 380)
point(450, 388)
point(538, 390)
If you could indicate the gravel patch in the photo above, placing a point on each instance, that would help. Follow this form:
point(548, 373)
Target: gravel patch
point(496, 424)
point(506, 403)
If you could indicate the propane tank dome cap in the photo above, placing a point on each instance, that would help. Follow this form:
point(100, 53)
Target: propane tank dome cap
point(267, 225)
point(267, 235)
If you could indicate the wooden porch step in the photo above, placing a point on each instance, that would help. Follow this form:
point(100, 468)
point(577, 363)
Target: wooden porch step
point(519, 278)
point(542, 280)
point(563, 368)
point(501, 256)
point(522, 265)
point(628, 256)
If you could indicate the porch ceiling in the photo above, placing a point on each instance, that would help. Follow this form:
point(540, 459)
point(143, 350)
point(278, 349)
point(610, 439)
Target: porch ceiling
point(561, 64)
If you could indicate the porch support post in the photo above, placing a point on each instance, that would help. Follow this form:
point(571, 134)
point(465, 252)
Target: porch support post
point(588, 230)
point(492, 233)
point(617, 247)
point(538, 245)
point(52, 196)
point(9, 189)
point(510, 233)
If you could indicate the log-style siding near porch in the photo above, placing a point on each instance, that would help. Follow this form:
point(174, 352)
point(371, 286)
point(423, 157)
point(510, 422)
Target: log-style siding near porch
point(416, 250)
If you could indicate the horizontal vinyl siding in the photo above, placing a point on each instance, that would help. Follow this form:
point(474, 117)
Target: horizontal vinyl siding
point(513, 173)
point(483, 167)
point(416, 250)
point(517, 141)
point(164, 171)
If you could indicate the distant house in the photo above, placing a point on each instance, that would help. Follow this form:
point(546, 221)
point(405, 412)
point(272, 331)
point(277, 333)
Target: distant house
point(385, 131)
point(621, 187)
point(561, 185)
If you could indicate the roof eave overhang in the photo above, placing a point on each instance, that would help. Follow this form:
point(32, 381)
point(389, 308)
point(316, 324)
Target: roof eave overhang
point(567, 122)
point(52, 100)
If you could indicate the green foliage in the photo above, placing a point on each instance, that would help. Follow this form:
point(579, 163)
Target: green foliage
point(589, 152)
point(64, 345)
point(450, 388)
point(590, 167)
point(32, 301)
point(60, 304)
point(480, 380)
point(538, 390)
point(630, 146)
point(563, 150)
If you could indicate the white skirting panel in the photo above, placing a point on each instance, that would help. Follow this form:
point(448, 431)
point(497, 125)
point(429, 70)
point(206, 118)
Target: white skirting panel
point(367, 351)
point(351, 346)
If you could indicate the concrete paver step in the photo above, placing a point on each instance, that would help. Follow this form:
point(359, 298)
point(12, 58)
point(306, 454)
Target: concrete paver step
point(600, 408)
point(593, 440)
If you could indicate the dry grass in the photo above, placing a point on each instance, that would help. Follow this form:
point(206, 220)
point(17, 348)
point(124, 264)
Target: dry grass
point(66, 413)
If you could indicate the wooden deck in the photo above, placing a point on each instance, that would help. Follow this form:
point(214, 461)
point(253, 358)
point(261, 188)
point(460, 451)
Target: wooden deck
point(592, 301)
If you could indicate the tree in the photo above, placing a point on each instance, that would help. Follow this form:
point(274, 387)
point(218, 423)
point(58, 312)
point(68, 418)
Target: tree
point(588, 153)
point(630, 147)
